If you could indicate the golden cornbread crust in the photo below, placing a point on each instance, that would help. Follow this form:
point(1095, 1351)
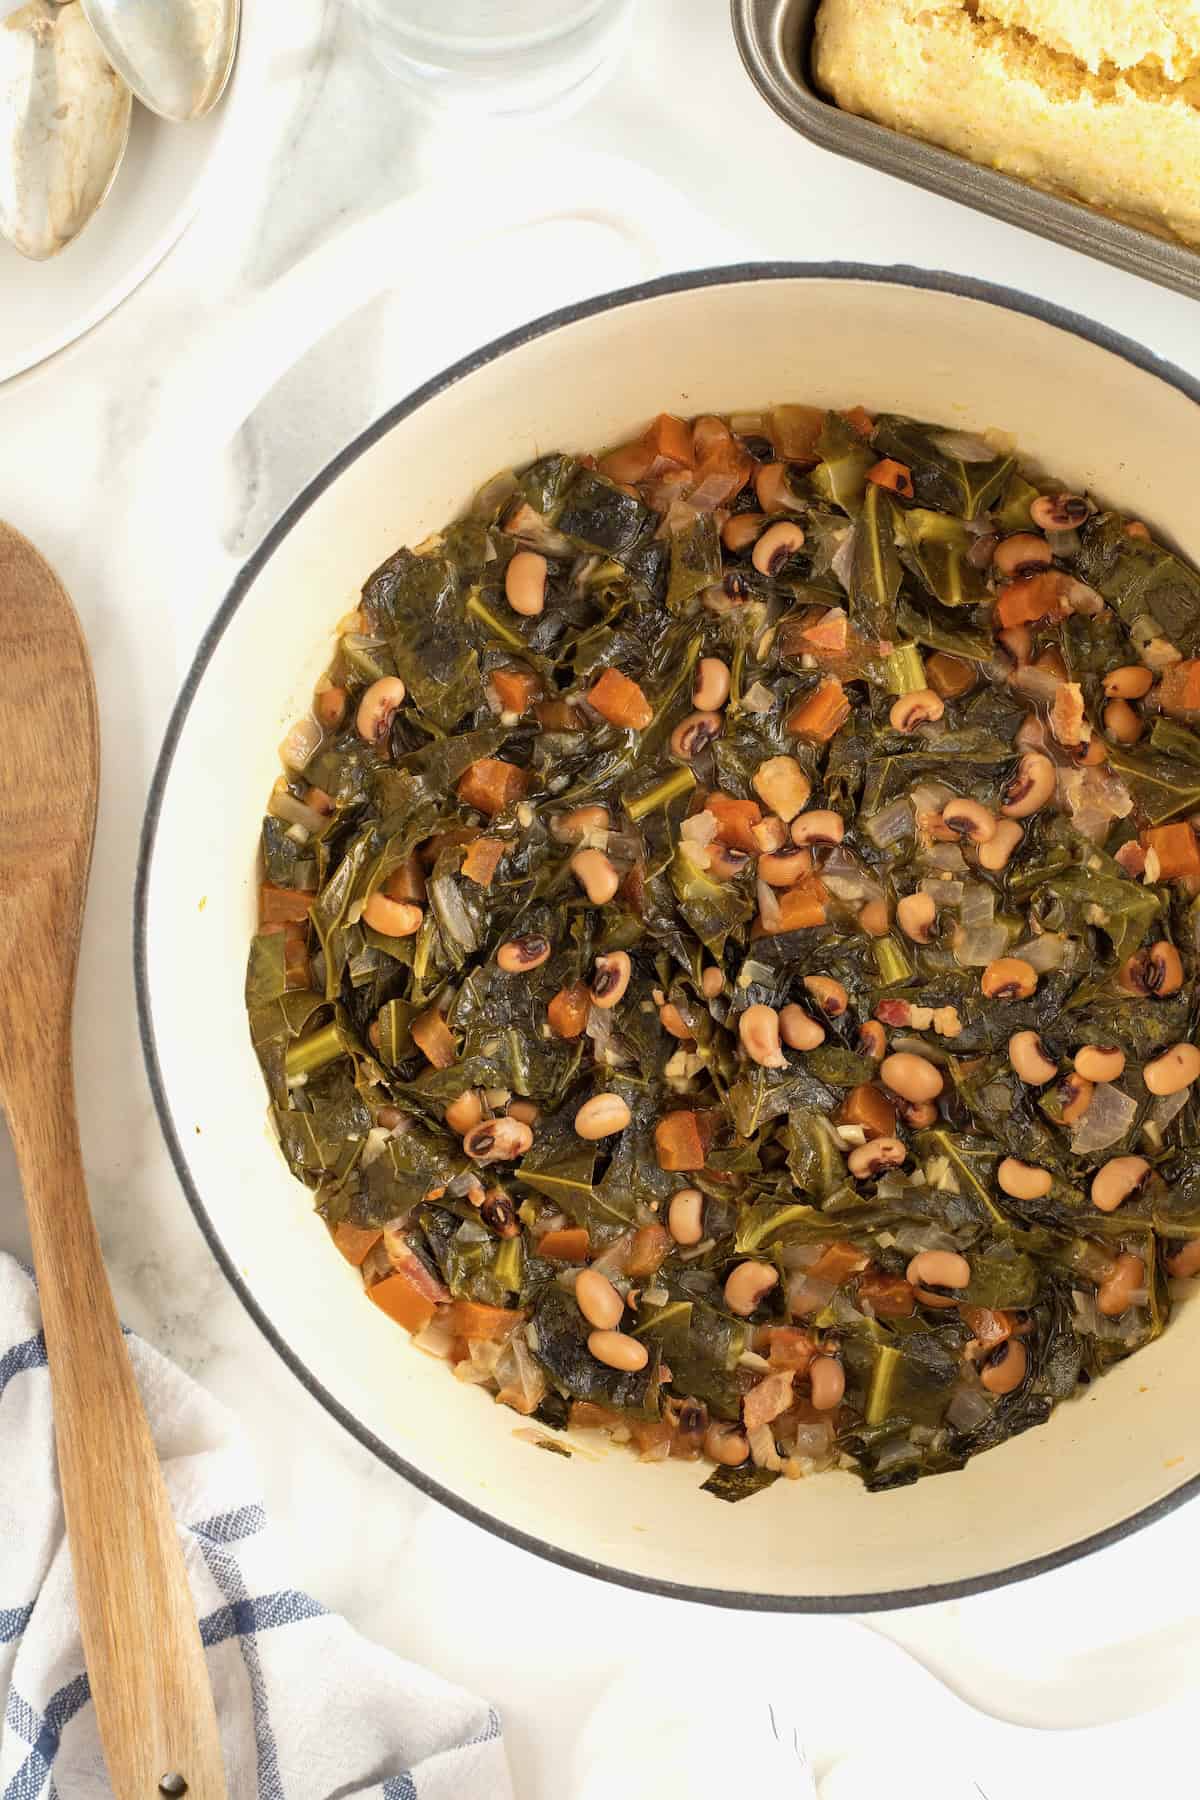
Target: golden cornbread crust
point(991, 82)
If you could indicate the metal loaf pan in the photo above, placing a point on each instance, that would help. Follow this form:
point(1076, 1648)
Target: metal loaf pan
point(775, 41)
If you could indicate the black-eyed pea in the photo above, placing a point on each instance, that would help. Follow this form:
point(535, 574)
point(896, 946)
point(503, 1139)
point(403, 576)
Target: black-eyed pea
point(693, 736)
point(874, 919)
point(329, 706)
point(1030, 788)
point(1021, 553)
point(777, 545)
point(1156, 972)
point(771, 835)
point(969, 819)
point(1024, 1181)
point(526, 1110)
point(870, 1160)
point(1173, 1071)
point(1121, 723)
point(997, 852)
point(773, 488)
point(818, 827)
point(598, 1300)
point(1003, 1369)
point(596, 874)
point(939, 1276)
point(742, 530)
point(1128, 1282)
point(673, 1021)
point(710, 690)
point(918, 1115)
point(685, 1216)
point(827, 1379)
point(912, 1077)
point(828, 994)
point(525, 583)
point(1185, 1262)
point(617, 1351)
point(916, 916)
point(758, 1029)
point(1100, 1062)
point(1059, 512)
point(1121, 1178)
point(726, 1444)
point(611, 976)
point(464, 1112)
point(782, 786)
point(872, 1039)
point(1132, 682)
point(392, 918)
point(798, 1030)
point(1009, 978)
point(1027, 1055)
point(497, 1140)
point(378, 707)
point(724, 861)
point(1073, 1095)
point(920, 707)
point(712, 981)
point(601, 1116)
point(748, 1286)
point(569, 827)
point(783, 870)
point(519, 955)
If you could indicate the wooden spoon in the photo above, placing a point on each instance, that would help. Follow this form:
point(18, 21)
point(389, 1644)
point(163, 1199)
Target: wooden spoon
point(145, 1661)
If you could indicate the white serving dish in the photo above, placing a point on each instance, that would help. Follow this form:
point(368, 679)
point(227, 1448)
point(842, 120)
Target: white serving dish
point(1095, 409)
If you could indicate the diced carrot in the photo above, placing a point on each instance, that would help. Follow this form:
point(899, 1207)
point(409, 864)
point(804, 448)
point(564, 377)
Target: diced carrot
point(470, 1319)
point(556, 715)
point(568, 1012)
point(482, 860)
point(401, 1300)
point(651, 1438)
point(621, 701)
point(283, 906)
point(869, 1107)
point(828, 631)
point(895, 476)
point(490, 785)
point(821, 714)
point(767, 1399)
point(789, 1348)
point(679, 1142)
point(1176, 848)
point(950, 676)
point(795, 431)
point(1032, 597)
point(297, 970)
point(650, 1248)
point(859, 419)
point(407, 882)
point(671, 437)
point(890, 1296)
point(355, 1242)
point(736, 820)
point(1179, 689)
point(445, 840)
point(627, 463)
point(587, 1415)
point(569, 1244)
point(432, 1036)
point(801, 907)
point(517, 688)
point(837, 1261)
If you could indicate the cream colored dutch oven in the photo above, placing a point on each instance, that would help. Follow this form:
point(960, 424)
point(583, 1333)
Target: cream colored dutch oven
point(1091, 407)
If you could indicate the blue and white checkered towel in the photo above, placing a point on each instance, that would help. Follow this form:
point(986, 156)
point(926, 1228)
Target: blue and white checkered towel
point(307, 1708)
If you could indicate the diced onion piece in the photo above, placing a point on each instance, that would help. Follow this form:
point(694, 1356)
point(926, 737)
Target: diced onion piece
point(975, 949)
point(434, 1339)
point(964, 446)
point(701, 828)
point(1166, 1108)
point(301, 744)
point(1050, 951)
point(1105, 1122)
point(970, 1404)
point(285, 806)
point(1038, 685)
point(768, 906)
point(978, 905)
point(762, 1448)
point(947, 857)
point(889, 826)
point(1063, 543)
point(946, 893)
point(758, 699)
point(842, 564)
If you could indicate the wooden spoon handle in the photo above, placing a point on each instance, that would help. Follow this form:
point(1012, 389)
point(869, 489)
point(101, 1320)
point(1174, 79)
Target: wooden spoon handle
point(141, 1640)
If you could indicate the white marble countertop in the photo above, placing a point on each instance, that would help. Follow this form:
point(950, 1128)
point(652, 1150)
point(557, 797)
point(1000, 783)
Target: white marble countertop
point(1089, 1650)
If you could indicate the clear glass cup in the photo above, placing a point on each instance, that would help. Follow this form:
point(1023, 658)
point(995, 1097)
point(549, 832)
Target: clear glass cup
point(496, 56)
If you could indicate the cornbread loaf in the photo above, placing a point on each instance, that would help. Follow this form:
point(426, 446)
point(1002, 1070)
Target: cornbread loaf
point(1096, 99)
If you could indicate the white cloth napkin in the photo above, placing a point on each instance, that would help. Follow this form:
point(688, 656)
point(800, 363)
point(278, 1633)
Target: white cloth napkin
point(307, 1708)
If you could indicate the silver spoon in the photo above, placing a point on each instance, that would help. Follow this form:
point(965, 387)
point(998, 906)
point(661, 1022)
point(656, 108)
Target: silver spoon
point(176, 55)
point(64, 123)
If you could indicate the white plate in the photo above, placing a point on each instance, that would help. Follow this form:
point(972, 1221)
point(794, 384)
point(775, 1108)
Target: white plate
point(153, 200)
